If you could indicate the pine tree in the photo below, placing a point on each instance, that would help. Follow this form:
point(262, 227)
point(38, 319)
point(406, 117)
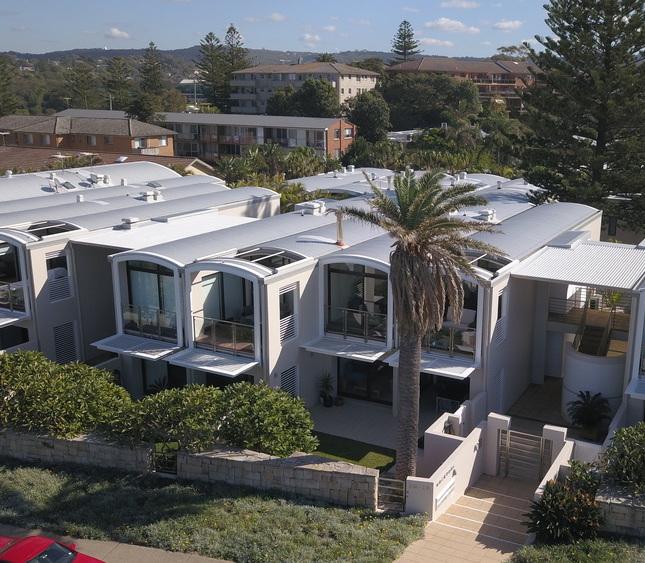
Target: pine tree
point(151, 73)
point(8, 100)
point(117, 82)
point(235, 57)
point(404, 45)
point(210, 67)
point(80, 84)
point(326, 58)
point(587, 107)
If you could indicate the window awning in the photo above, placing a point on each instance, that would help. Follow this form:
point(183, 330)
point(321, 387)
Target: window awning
point(8, 317)
point(137, 346)
point(212, 362)
point(440, 364)
point(344, 348)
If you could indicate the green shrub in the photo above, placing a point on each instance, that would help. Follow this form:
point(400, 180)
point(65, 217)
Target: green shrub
point(567, 511)
point(586, 551)
point(624, 460)
point(264, 419)
point(63, 401)
point(187, 416)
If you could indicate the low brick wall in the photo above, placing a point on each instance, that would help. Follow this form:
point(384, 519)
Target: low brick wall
point(623, 514)
point(83, 451)
point(301, 474)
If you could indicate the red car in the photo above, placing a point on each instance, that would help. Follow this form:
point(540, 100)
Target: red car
point(39, 549)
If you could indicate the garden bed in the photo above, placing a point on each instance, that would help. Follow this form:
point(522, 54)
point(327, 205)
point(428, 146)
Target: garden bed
point(218, 521)
point(596, 551)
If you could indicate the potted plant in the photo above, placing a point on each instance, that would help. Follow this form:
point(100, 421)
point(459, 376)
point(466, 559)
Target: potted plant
point(327, 390)
point(588, 411)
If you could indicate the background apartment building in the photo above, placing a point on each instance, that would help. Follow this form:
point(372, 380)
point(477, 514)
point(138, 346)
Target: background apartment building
point(252, 87)
point(109, 132)
point(210, 135)
point(494, 79)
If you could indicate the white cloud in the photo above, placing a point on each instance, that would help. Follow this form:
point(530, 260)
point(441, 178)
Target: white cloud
point(463, 4)
point(410, 9)
point(455, 26)
point(277, 17)
point(432, 42)
point(116, 33)
point(310, 39)
point(507, 25)
point(329, 28)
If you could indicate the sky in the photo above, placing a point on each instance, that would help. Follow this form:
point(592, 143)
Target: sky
point(444, 27)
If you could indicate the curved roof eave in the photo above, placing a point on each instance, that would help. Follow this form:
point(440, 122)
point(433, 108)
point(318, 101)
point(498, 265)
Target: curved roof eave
point(147, 256)
point(236, 266)
point(17, 236)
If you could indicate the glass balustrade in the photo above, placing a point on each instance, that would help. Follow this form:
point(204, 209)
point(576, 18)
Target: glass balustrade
point(150, 322)
point(224, 336)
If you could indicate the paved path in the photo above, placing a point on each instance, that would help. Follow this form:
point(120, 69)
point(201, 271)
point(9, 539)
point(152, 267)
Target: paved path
point(114, 552)
point(484, 525)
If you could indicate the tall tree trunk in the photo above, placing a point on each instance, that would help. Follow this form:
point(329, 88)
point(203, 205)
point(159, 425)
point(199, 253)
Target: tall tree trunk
point(408, 401)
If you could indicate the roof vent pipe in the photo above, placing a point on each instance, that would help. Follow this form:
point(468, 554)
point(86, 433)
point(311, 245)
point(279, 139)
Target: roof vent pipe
point(8, 174)
point(80, 198)
point(499, 184)
point(350, 168)
point(124, 181)
point(52, 175)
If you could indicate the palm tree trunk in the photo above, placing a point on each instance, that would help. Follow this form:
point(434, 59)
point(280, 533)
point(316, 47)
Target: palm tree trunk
point(408, 417)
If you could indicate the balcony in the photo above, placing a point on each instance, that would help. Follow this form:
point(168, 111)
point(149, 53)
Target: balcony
point(453, 340)
point(357, 323)
point(150, 322)
point(12, 297)
point(224, 336)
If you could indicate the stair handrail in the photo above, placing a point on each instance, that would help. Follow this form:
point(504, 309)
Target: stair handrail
point(603, 345)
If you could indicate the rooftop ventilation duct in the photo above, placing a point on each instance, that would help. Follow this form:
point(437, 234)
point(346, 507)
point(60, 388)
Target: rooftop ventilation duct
point(124, 181)
point(80, 198)
point(499, 184)
point(489, 215)
point(127, 222)
point(351, 168)
point(315, 207)
point(8, 174)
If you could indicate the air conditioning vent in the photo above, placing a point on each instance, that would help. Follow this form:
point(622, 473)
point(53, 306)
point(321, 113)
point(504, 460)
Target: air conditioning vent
point(65, 343)
point(289, 381)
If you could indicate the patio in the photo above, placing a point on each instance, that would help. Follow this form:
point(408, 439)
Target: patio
point(366, 422)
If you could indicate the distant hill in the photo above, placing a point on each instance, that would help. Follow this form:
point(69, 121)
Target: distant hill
point(258, 56)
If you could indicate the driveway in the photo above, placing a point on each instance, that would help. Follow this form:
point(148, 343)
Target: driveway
point(114, 552)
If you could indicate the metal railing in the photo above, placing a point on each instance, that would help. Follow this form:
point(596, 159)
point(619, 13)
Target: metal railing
point(453, 340)
point(150, 322)
point(358, 323)
point(224, 336)
point(12, 296)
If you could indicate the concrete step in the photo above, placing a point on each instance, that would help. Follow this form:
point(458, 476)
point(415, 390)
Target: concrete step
point(497, 507)
point(497, 516)
point(498, 498)
point(476, 527)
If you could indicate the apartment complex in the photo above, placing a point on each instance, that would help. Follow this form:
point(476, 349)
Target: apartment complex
point(91, 132)
point(494, 79)
point(252, 87)
point(210, 135)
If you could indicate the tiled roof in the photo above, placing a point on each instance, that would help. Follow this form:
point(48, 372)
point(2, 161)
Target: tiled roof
point(307, 68)
point(449, 65)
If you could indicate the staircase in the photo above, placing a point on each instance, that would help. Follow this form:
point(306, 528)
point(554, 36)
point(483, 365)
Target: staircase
point(591, 340)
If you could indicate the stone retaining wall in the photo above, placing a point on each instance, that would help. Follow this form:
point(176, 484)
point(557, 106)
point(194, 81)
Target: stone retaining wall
point(623, 514)
point(83, 451)
point(301, 474)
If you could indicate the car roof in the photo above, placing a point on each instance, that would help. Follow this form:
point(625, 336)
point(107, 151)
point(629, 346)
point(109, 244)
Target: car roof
point(24, 549)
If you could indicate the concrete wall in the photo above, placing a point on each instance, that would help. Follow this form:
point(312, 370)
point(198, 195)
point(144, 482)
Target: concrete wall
point(623, 514)
point(82, 451)
point(563, 456)
point(305, 475)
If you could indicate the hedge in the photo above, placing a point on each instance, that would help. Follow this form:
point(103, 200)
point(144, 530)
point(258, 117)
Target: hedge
point(64, 401)
point(623, 462)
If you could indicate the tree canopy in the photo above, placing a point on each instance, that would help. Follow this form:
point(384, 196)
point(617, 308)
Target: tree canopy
point(8, 100)
point(370, 113)
point(404, 45)
point(587, 107)
point(315, 98)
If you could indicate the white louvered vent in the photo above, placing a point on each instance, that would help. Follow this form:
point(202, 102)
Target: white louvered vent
point(289, 381)
point(59, 289)
point(499, 332)
point(288, 323)
point(65, 343)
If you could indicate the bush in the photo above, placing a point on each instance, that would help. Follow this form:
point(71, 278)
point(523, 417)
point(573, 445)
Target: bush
point(567, 511)
point(187, 416)
point(624, 460)
point(63, 401)
point(264, 419)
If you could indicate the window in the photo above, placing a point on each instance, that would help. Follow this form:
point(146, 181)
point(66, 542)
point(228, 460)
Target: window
point(9, 264)
point(142, 143)
point(342, 90)
point(349, 90)
point(29, 139)
point(336, 133)
point(349, 132)
point(12, 335)
point(612, 226)
point(287, 312)
point(55, 553)
point(91, 140)
point(366, 381)
point(108, 140)
point(500, 304)
point(45, 139)
point(163, 141)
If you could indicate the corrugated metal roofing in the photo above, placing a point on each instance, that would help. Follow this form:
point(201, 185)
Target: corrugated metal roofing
point(598, 264)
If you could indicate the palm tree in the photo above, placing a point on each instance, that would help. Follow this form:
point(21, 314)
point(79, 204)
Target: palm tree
point(426, 265)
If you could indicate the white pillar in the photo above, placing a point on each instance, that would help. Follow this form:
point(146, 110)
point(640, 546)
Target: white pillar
point(495, 423)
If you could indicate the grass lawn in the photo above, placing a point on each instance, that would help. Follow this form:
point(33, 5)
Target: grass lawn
point(219, 521)
point(596, 551)
point(359, 453)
